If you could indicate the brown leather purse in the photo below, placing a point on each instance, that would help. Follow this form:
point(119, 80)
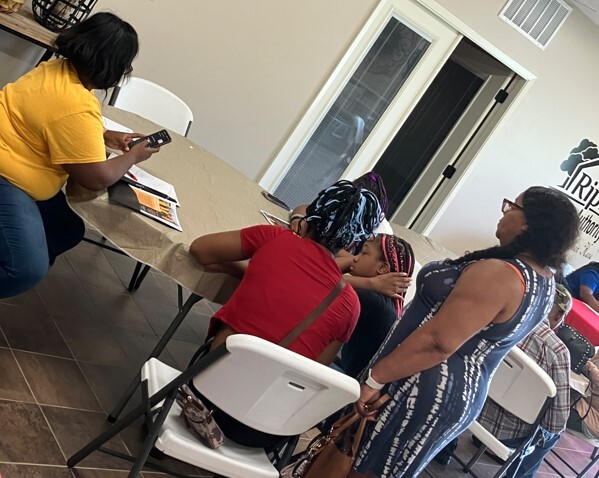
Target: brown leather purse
point(332, 454)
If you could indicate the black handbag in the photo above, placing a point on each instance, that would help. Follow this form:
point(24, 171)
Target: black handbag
point(581, 350)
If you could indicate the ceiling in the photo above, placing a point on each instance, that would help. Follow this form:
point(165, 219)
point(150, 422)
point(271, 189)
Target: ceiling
point(589, 7)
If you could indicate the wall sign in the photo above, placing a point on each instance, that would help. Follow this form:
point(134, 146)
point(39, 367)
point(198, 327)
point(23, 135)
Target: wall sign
point(582, 187)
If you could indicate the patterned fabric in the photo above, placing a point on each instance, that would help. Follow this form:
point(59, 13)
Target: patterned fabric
point(547, 350)
point(429, 409)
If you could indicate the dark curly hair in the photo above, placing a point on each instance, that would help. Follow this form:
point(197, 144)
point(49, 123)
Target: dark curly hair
point(374, 183)
point(100, 48)
point(553, 227)
point(341, 215)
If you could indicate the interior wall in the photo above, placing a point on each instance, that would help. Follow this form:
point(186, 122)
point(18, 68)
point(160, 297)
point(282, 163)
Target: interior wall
point(556, 112)
point(248, 69)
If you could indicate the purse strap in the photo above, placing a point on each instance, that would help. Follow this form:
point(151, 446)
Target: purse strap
point(304, 324)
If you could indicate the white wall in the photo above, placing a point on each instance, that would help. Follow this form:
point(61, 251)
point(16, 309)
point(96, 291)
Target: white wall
point(250, 68)
point(559, 110)
point(247, 68)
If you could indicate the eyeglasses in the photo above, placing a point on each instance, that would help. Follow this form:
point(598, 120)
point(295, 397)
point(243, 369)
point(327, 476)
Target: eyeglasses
point(508, 205)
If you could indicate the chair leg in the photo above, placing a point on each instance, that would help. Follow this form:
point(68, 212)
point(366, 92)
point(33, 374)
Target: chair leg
point(594, 460)
point(191, 300)
point(152, 435)
point(474, 459)
point(166, 393)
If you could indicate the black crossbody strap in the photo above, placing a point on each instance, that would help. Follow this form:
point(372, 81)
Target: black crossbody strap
point(304, 324)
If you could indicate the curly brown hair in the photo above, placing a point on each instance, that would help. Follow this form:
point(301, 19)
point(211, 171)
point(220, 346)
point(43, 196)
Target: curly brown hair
point(553, 227)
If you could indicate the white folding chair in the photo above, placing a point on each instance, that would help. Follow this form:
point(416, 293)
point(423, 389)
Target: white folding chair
point(524, 389)
point(256, 382)
point(153, 102)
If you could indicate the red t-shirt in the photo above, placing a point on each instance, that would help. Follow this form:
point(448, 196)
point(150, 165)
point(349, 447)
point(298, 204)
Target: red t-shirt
point(287, 278)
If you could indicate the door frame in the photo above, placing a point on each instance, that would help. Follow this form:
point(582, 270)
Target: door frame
point(397, 111)
point(432, 211)
point(451, 150)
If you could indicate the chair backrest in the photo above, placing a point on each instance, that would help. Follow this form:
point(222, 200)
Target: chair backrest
point(153, 102)
point(520, 386)
point(272, 389)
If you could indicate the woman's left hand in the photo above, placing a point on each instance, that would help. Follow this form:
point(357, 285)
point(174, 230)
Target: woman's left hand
point(119, 140)
point(367, 397)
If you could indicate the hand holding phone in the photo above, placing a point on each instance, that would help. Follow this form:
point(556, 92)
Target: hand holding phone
point(155, 140)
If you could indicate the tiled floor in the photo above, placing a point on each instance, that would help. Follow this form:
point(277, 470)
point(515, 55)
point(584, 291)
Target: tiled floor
point(69, 348)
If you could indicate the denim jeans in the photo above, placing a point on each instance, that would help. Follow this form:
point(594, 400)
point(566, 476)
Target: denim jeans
point(32, 234)
point(531, 462)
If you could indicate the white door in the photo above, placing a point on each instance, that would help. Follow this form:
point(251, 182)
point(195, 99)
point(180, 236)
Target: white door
point(364, 103)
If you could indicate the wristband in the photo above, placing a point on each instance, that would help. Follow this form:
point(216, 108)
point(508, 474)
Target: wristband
point(372, 383)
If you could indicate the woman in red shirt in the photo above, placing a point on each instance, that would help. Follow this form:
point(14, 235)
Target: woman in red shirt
point(288, 276)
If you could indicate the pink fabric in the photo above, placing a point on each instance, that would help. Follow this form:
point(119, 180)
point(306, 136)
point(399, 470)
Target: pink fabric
point(585, 320)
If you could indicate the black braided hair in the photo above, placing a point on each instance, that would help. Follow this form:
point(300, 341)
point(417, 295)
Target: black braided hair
point(553, 227)
point(341, 215)
point(374, 183)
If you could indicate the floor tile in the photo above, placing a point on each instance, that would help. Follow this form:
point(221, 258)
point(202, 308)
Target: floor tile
point(182, 352)
point(118, 310)
point(3, 342)
point(31, 471)
point(103, 276)
point(109, 383)
point(134, 437)
point(12, 385)
point(91, 341)
point(160, 317)
point(66, 298)
point(62, 268)
point(75, 428)
point(137, 346)
point(164, 291)
point(32, 331)
point(57, 381)
point(29, 300)
point(25, 436)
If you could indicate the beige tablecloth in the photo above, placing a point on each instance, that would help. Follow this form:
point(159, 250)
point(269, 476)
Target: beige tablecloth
point(214, 197)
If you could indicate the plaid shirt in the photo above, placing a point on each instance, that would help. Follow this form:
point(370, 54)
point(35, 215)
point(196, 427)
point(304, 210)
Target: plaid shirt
point(550, 353)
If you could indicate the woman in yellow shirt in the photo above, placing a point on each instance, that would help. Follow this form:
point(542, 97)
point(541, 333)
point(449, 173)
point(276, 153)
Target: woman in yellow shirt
point(51, 128)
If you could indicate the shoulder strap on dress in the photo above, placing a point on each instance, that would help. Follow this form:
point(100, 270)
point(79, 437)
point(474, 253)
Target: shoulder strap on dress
point(519, 272)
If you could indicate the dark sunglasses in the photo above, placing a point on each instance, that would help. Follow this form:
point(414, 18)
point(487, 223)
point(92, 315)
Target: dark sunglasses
point(508, 205)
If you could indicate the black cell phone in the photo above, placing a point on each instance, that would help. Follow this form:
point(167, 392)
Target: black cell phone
point(160, 138)
point(275, 200)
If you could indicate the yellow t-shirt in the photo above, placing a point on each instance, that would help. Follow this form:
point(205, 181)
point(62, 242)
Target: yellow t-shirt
point(48, 118)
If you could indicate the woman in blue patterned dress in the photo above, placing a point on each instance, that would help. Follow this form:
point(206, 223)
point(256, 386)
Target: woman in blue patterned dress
point(437, 361)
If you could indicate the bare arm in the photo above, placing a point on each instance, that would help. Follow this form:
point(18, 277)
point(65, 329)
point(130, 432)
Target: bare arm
point(391, 284)
point(329, 353)
point(473, 304)
point(586, 295)
point(218, 249)
point(100, 175)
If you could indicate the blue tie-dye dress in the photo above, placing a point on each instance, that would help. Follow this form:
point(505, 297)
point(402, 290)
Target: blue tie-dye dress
point(430, 408)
